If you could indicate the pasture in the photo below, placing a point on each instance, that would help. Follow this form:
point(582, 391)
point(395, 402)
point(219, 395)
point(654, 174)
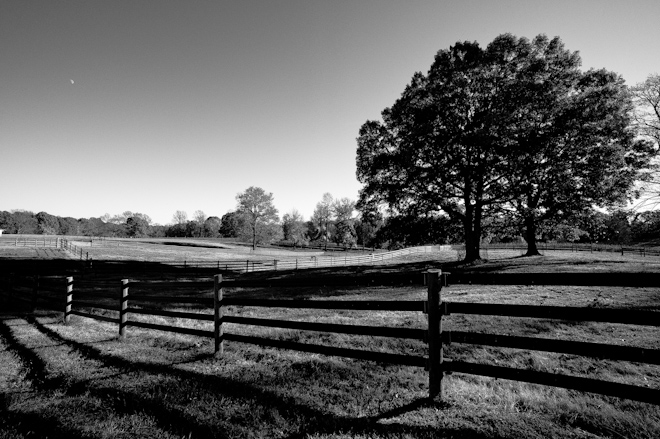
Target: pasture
point(80, 380)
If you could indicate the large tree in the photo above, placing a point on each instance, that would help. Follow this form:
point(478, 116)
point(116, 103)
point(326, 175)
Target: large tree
point(437, 149)
point(570, 136)
point(484, 129)
point(262, 222)
point(646, 98)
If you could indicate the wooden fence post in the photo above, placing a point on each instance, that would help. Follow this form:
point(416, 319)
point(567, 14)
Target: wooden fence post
point(123, 306)
point(69, 300)
point(217, 315)
point(434, 333)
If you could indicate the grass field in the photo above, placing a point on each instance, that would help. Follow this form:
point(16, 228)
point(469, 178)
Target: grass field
point(81, 381)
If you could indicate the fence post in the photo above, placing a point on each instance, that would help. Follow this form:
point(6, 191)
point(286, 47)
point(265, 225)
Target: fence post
point(123, 306)
point(217, 315)
point(434, 333)
point(69, 300)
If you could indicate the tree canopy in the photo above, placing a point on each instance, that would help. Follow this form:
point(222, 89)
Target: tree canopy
point(261, 220)
point(513, 127)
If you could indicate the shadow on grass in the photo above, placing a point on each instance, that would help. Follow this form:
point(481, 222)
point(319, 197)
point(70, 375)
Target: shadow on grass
point(297, 419)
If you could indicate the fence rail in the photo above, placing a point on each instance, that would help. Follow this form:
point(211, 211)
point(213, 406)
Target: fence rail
point(434, 335)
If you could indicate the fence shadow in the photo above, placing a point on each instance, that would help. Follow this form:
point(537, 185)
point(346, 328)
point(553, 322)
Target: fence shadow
point(175, 420)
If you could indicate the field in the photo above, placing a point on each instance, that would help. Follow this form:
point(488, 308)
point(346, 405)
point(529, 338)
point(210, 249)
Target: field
point(81, 381)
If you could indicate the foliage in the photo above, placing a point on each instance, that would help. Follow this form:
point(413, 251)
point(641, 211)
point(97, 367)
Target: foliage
point(646, 97)
point(344, 222)
point(260, 216)
point(322, 218)
point(231, 225)
point(366, 229)
point(514, 126)
point(294, 229)
point(199, 217)
point(180, 217)
point(48, 224)
point(211, 228)
point(407, 231)
point(137, 227)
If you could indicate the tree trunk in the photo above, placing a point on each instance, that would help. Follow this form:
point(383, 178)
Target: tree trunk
point(530, 236)
point(472, 227)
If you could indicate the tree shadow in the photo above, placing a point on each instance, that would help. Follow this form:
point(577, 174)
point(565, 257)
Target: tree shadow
point(301, 420)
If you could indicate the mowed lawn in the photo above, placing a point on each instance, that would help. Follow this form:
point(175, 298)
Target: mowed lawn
point(81, 381)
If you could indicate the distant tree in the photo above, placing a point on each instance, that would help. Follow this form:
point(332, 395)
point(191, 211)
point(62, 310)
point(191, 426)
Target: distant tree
point(366, 228)
point(143, 216)
point(158, 231)
point(137, 227)
point(231, 225)
point(199, 217)
point(7, 222)
point(180, 217)
point(646, 226)
point(176, 230)
point(121, 217)
point(212, 227)
point(25, 222)
point(344, 222)
point(260, 215)
point(322, 218)
point(92, 227)
point(69, 226)
point(294, 229)
point(646, 97)
point(48, 224)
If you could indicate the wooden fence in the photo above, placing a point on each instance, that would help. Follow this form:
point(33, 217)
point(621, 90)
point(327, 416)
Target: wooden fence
point(571, 247)
point(434, 335)
point(33, 241)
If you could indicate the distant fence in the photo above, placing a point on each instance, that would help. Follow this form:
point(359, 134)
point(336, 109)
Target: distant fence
point(35, 241)
point(81, 301)
point(571, 247)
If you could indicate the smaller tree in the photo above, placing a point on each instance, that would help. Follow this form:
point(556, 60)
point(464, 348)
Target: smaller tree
point(212, 226)
point(231, 225)
point(261, 220)
point(199, 217)
point(343, 210)
point(137, 227)
point(48, 224)
point(180, 217)
point(322, 218)
point(294, 229)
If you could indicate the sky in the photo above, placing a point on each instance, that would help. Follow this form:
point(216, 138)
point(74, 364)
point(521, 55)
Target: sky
point(155, 106)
